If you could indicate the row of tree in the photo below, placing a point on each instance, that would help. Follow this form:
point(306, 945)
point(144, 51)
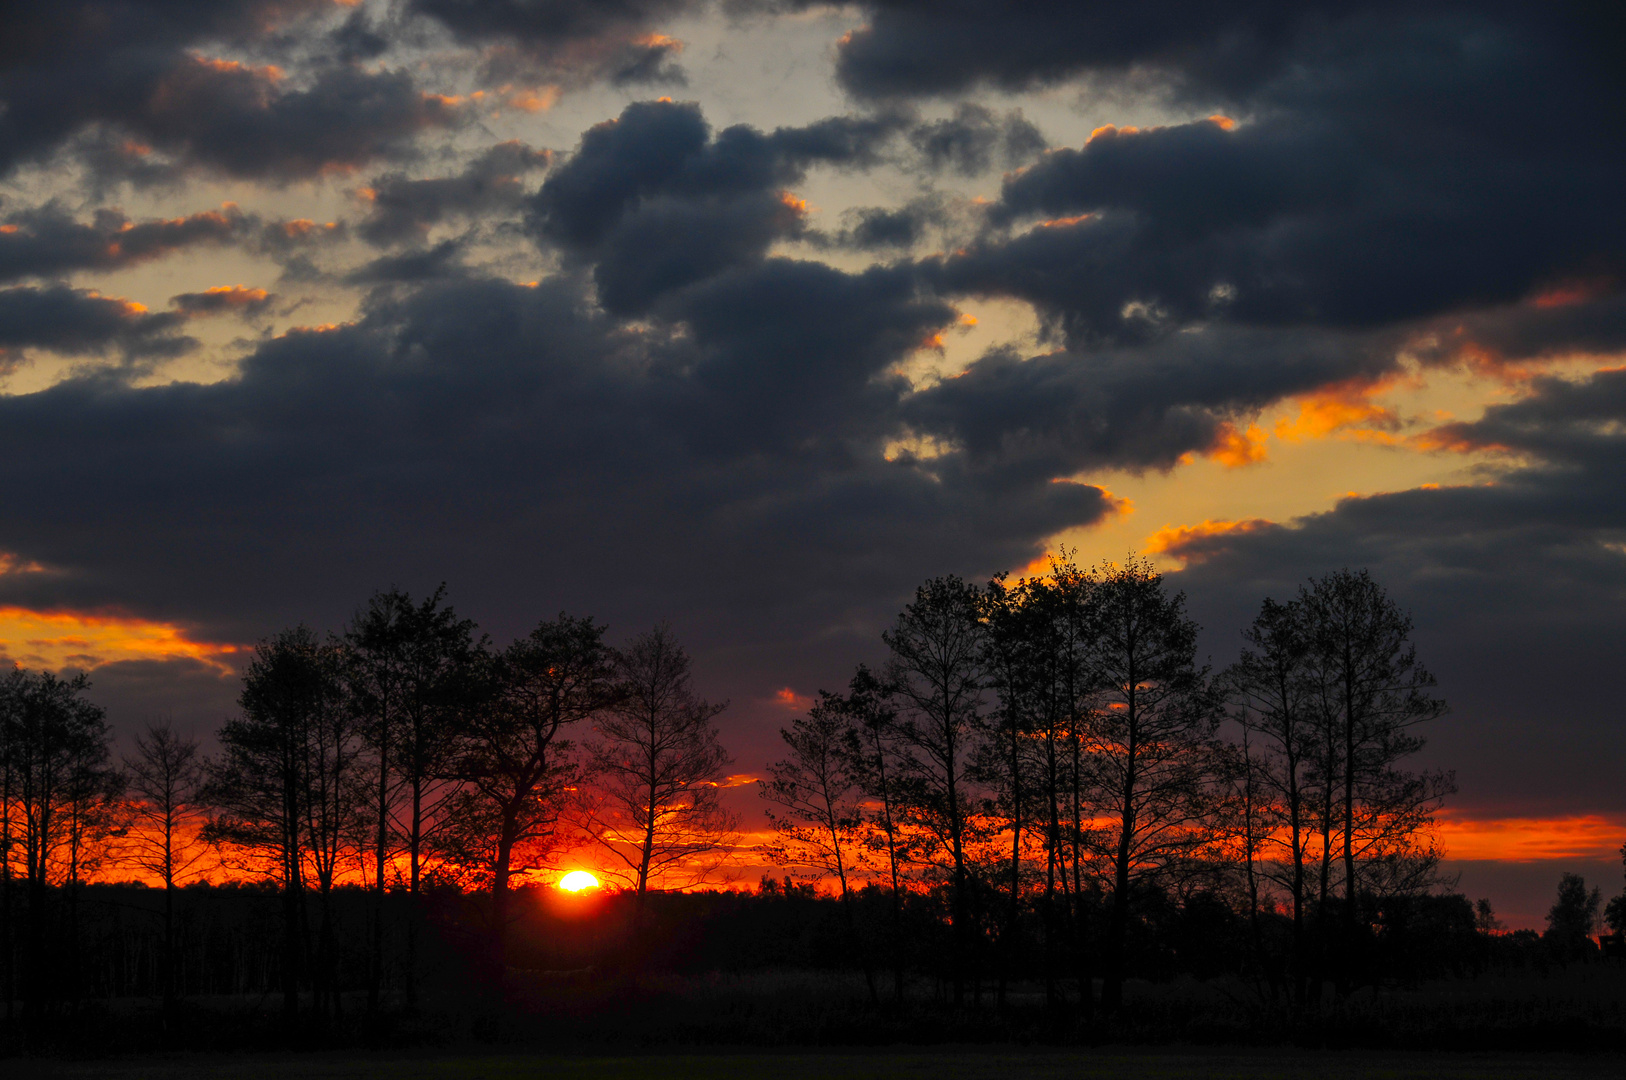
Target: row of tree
point(1048, 752)
point(403, 755)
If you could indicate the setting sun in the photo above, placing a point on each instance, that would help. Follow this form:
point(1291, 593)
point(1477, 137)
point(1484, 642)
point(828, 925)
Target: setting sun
point(578, 880)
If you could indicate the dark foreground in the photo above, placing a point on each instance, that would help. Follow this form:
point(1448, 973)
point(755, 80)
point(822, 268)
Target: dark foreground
point(948, 1063)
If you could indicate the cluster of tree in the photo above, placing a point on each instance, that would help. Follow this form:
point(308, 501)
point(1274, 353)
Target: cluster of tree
point(404, 755)
point(1049, 756)
point(1040, 783)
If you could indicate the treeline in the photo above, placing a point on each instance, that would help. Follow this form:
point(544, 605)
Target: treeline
point(404, 755)
point(1050, 755)
point(1041, 790)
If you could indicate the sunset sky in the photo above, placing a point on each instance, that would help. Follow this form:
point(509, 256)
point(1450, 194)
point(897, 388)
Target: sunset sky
point(751, 315)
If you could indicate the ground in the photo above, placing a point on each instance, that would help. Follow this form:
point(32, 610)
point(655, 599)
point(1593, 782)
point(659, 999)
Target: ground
point(978, 1063)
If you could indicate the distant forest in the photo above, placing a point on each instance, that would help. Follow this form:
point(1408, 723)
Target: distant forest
point(1038, 797)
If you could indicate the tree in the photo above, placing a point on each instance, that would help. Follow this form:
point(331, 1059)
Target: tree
point(516, 768)
point(410, 666)
point(658, 766)
point(1151, 744)
point(1370, 693)
point(1273, 702)
point(284, 789)
point(1573, 918)
point(935, 677)
point(166, 774)
point(820, 820)
point(872, 761)
point(61, 801)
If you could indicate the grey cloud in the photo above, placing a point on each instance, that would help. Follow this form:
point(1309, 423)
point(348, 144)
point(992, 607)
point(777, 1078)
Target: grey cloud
point(404, 209)
point(657, 203)
point(74, 322)
point(568, 41)
point(976, 139)
point(1066, 412)
point(47, 241)
point(131, 66)
point(533, 453)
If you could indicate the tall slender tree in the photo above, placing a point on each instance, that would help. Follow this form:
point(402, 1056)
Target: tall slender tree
point(410, 665)
point(872, 752)
point(1151, 745)
point(1273, 702)
point(1371, 692)
point(63, 795)
point(166, 775)
point(935, 675)
point(819, 821)
point(281, 787)
point(657, 767)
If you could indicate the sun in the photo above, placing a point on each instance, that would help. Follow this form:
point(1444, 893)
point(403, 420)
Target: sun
point(577, 880)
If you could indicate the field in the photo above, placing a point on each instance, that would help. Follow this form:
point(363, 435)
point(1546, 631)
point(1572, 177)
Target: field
point(977, 1063)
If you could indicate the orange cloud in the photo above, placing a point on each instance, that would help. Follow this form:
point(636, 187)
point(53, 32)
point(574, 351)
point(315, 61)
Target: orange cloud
point(57, 639)
point(1574, 291)
point(1589, 836)
point(1235, 449)
point(790, 699)
point(1345, 407)
point(1194, 543)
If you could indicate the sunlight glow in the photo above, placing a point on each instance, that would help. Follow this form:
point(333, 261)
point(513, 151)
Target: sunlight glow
point(578, 880)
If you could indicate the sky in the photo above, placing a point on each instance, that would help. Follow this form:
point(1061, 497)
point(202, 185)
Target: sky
point(750, 315)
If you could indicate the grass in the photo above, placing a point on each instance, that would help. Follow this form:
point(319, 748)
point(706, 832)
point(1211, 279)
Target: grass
point(947, 1063)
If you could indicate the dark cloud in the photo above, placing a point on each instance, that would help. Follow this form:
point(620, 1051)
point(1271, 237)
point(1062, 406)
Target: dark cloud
point(237, 300)
point(975, 139)
point(443, 260)
point(74, 322)
point(658, 203)
point(728, 471)
point(873, 228)
point(403, 209)
point(1207, 49)
point(48, 242)
point(134, 67)
point(1062, 413)
point(568, 41)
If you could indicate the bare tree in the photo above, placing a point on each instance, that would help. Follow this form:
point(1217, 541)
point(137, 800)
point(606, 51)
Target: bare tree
point(657, 767)
point(873, 763)
point(1370, 692)
point(1152, 747)
point(166, 775)
point(935, 675)
point(1274, 704)
point(820, 821)
point(282, 788)
point(409, 661)
point(516, 768)
point(63, 800)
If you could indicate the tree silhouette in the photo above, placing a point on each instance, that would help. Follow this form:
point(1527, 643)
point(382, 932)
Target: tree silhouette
point(283, 789)
point(1151, 744)
point(1573, 918)
point(656, 768)
point(820, 820)
point(166, 773)
point(409, 663)
point(1370, 692)
point(516, 768)
point(62, 802)
point(935, 676)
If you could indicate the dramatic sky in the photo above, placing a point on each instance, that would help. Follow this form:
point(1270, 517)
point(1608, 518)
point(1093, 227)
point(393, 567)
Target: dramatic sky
point(750, 315)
